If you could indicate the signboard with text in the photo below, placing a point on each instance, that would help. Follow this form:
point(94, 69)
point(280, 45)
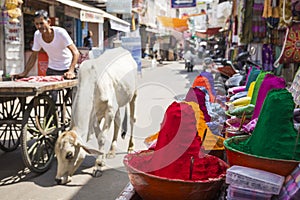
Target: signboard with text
point(183, 3)
point(87, 16)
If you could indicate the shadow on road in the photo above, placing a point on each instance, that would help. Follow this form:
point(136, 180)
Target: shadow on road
point(108, 186)
point(13, 170)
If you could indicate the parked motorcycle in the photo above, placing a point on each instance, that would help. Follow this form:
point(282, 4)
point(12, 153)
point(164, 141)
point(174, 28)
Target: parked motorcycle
point(243, 64)
point(221, 67)
point(233, 73)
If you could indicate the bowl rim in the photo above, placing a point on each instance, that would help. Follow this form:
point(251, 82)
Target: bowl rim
point(137, 171)
point(227, 147)
point(230, 115)
point(227, 121)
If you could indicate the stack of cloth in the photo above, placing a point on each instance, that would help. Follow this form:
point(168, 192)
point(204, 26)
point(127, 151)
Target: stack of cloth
point(291, 186)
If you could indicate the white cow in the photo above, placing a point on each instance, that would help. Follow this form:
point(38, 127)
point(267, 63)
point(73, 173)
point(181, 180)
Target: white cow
point(105, 84)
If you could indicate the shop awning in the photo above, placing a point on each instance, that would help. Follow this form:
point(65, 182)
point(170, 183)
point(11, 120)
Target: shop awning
point(88, 11)
point(174, 23)
point(208, 33)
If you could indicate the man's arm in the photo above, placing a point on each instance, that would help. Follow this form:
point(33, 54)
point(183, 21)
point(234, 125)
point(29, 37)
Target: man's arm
point(70, 73)
point(29, 65)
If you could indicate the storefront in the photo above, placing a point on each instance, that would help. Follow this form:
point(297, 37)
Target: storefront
point(76, 17)
point(92, 18)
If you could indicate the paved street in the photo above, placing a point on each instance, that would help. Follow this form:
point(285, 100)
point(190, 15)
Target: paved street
point(158, 87)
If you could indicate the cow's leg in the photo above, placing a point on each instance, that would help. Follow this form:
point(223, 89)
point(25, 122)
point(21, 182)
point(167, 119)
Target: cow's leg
point(124, 123)
point(101, 137)
point(100, 160)
point(132, 121)
point(113, 147)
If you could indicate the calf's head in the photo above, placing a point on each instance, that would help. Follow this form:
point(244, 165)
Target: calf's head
point(70, 154)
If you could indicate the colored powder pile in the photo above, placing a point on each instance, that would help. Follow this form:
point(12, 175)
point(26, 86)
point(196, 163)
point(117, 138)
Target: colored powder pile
point(274, 135)
point(178, 143)
point(257, 85)
point(198, 96)
point(211, 81)
point(212, 140)
point(253, 73)
point(270, 82)
point(202, 81)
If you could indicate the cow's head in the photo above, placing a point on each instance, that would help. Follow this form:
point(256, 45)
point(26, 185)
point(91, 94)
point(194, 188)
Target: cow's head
point(70, 154)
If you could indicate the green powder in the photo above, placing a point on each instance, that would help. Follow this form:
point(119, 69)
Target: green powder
point(257, 85)
point(274, 135)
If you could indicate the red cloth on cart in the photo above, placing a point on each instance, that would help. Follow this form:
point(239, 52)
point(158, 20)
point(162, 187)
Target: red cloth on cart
point(41, 79)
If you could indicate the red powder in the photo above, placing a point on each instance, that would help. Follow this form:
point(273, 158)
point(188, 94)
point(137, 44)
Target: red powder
point(204, 168)
point(177, 142)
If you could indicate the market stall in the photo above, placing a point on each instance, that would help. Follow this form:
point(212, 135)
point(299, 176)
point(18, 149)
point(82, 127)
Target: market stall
point(260, 135)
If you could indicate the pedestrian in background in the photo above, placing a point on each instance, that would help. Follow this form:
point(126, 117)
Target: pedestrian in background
point(88, 41)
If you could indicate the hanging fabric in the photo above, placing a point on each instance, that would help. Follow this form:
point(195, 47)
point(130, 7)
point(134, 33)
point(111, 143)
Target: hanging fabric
point(269, 10)
point(290, 52)
point(258, 22)
point(296, 8)
point(267, 57)
point(295, 88)
point(285, 11)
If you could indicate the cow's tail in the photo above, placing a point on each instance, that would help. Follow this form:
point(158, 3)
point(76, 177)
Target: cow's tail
point(124, 123)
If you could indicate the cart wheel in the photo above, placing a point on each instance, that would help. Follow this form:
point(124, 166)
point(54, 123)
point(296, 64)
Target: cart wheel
point(10, 126)
point(40, 131)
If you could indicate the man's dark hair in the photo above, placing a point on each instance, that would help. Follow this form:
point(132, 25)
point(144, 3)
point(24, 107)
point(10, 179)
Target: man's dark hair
point(41, 13)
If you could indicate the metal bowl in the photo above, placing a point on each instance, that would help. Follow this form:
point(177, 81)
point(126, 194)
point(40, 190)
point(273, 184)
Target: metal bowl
point(234, 122)
point(151, 187)
point(236, 157)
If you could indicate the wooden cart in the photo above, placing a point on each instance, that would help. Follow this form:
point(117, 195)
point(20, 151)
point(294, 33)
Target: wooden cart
point(31, 118)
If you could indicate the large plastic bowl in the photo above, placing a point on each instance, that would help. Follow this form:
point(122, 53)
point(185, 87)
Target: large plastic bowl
point(236, 157)
point(151, 187)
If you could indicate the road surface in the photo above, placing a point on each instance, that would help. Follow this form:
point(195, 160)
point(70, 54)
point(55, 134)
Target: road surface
point(158, 88)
